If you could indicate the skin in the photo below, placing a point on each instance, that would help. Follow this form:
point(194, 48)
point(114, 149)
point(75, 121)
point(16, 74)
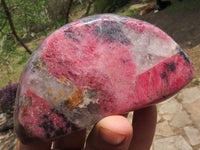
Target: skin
point(111, 133)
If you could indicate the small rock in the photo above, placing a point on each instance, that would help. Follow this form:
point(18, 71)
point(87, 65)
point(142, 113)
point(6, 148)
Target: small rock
point(172, 143)
point(163, 129)
point(181, 119)
point(193, 134)
point(189, 95)
point(158, 117)
point(168, 117)
point(194, 111)
point(170, 107)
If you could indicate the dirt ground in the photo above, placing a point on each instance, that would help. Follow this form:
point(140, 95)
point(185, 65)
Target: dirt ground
point(184, 27)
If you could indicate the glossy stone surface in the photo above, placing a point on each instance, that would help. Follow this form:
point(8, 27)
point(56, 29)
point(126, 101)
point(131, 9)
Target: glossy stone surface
point(94, 67)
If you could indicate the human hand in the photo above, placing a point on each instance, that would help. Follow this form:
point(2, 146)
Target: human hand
point(111, 133)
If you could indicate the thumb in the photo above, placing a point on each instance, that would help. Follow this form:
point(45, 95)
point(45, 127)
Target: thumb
point(111, 133)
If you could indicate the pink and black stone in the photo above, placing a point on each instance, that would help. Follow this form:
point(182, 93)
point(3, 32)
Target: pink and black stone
point(95, 67)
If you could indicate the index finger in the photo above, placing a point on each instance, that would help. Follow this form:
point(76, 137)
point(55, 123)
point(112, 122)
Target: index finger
point(73, 141)
point(144, 124)
point(38, 146)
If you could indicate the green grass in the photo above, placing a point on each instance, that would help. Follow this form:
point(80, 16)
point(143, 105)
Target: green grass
point(130, 12)
point(10, 73)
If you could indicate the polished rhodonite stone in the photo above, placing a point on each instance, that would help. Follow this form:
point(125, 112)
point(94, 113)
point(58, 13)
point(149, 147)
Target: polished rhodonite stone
point(94, 67)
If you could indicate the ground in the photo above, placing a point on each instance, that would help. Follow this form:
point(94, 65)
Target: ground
point(178, 124)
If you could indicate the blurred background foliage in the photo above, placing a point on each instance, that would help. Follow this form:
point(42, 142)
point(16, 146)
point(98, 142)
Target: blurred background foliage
point(7, 98)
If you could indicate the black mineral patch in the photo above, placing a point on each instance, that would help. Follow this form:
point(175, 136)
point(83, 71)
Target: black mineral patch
point(74, 127)
point(170, 66)
point(47, 135)
point(37, 65)
point(68, 124)
point(164, 75)
point(45, 116)
point(111, 31)
point(93, 108)
point(181, 53)
point(59, 131)
point(48, 126)
point(71, 35)
point(126, 60)
point(190, 75)
point(168, 69)
point(164, 96)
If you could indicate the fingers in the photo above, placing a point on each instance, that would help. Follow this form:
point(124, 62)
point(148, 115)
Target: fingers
point(111, 133)
point(38, 146)
point(74, 141)
point(144, 123)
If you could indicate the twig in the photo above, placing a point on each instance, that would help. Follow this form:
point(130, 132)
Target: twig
point(8, 14)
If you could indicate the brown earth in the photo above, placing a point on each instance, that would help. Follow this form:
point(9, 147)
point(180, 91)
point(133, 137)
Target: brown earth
point(183, 27)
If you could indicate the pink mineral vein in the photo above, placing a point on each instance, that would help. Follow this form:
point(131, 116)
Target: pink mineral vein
point(95, 67)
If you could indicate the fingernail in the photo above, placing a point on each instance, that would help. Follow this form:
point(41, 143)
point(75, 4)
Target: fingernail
point(111, 137)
